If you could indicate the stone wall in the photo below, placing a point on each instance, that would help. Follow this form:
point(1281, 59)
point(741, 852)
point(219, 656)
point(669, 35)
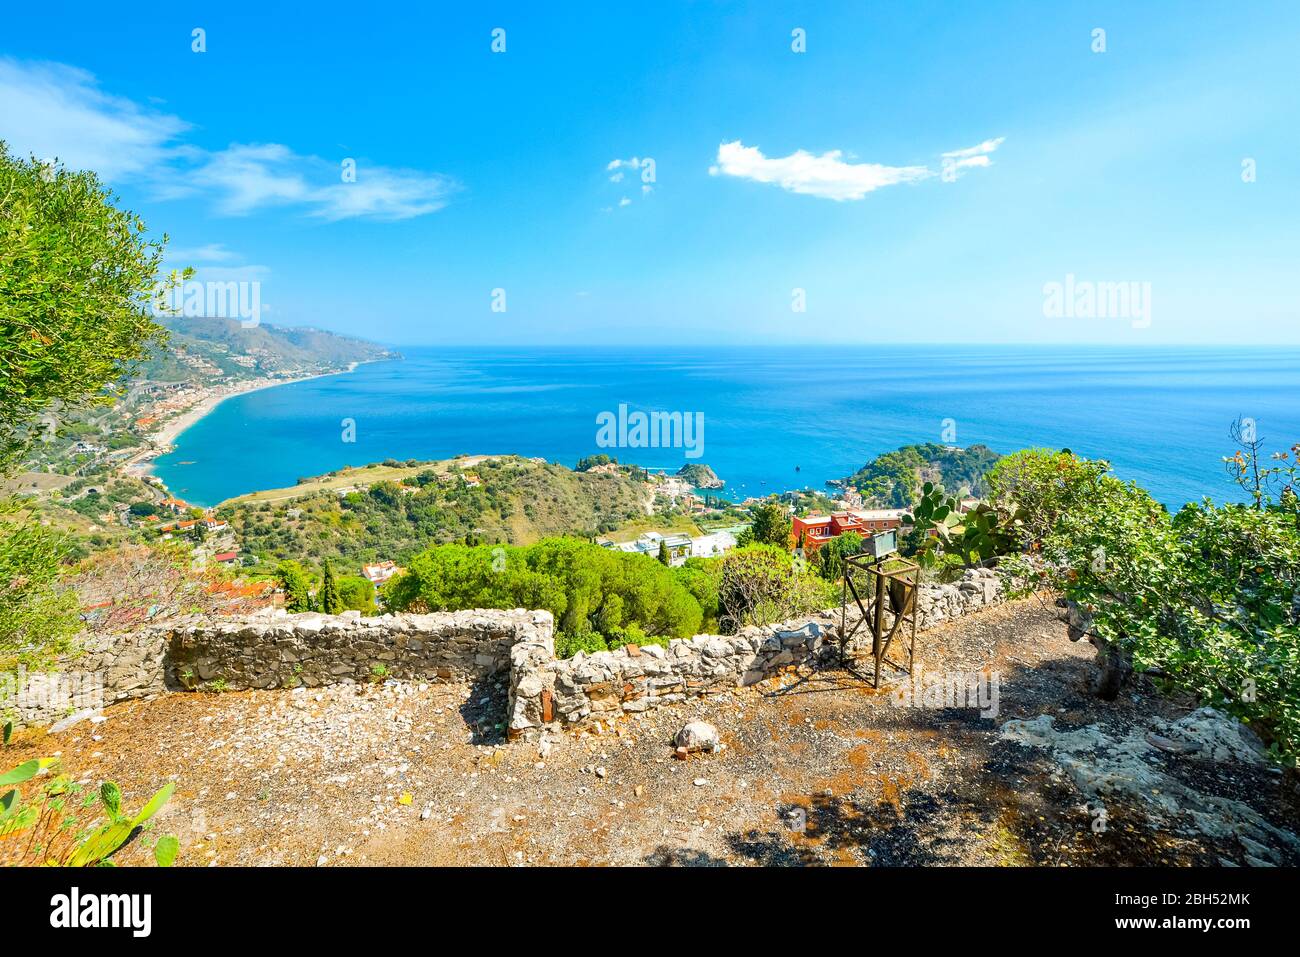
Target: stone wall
point(108, 668)
point(545, 691)
point(273, 650)
point(279, 650)
point(312, 649)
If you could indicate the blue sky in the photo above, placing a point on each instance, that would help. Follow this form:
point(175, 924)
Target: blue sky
point(774, 170)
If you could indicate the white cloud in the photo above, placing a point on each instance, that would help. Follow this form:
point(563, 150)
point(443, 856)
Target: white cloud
point(211, 253)
point(829, 175)
point(52, 110)
point(617, 168)
point(971, 156)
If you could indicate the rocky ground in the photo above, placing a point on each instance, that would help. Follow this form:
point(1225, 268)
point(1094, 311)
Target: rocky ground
point(815, 768)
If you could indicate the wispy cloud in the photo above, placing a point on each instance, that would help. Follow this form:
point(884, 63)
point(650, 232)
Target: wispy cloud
point(56, 111)
point(211, 253)
point(830, 176)
point(244, 178)
point(617, 168)
point(971, 156)
point(50, 110)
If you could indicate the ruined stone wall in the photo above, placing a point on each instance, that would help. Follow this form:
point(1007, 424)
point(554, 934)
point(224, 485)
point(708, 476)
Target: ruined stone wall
point(313, 649)
point(279, 650)
point(545, 691)
point(108, 668)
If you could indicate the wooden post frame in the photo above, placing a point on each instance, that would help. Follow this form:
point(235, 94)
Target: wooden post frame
point(888, 580)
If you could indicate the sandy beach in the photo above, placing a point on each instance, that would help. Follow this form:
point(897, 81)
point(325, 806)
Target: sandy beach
point(162, 439)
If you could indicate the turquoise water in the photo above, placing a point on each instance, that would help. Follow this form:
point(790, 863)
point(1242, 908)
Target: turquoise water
point(774, 418)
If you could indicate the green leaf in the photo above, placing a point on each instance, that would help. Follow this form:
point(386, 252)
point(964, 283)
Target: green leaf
point(111, 795)
point(26, 771)
point(165, 851)
point(155, 804)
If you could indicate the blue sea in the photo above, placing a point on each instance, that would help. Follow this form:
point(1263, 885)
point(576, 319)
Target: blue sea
point(775, 418)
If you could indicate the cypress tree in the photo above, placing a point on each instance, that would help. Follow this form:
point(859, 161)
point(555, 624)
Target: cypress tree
point(330, 602)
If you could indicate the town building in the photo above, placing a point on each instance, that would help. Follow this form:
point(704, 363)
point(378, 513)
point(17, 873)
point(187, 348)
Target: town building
point(680, 547)
point(814, 531)
point(713, 545)
point(380, 572)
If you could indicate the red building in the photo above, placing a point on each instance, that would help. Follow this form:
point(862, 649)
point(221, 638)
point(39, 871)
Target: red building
point(816, 530)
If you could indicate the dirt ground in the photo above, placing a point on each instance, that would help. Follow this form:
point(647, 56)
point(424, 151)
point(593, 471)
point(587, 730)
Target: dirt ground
point(817, 768)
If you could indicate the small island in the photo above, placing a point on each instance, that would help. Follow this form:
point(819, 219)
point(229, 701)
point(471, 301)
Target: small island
point(700, 476)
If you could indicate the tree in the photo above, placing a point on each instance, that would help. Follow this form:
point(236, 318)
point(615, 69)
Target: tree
point(830, 556)
point(771, 526)
point(1042, 485)
point(591, 461)
point(357, 594)
point(77, 277)
point(1204, 599)
point(293, 580)
point(329, 600)
point(664, 557)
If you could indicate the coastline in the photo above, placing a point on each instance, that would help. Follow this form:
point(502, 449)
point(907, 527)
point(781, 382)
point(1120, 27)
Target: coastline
point(162, 440)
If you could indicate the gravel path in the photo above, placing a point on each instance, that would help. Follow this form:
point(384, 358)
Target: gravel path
point(816, 768)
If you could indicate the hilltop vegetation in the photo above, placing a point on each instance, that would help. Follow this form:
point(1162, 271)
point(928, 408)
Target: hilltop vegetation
point(893, 480)
point(700, 475)
point(508, 500)
point(604, 599)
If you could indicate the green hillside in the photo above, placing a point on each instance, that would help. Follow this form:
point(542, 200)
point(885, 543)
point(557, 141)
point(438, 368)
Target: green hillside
point(508, 499)
point(892, 480)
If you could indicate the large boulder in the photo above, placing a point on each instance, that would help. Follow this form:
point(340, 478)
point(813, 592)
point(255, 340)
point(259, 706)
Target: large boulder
point(698, 736)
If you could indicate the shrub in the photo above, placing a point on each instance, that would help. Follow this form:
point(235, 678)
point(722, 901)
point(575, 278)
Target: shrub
point(1204, 601)
point(594, 593)
point(38, 612)
point(829, 559)
point(1043, 485)
point(760, 584)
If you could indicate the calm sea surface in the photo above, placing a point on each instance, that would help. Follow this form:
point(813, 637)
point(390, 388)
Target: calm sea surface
point(774, 418)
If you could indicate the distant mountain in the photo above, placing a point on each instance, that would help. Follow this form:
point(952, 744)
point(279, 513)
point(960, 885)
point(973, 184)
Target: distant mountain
point(199, 346)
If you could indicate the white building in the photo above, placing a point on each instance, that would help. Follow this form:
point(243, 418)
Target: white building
point(714, 545)
point(680, 547)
